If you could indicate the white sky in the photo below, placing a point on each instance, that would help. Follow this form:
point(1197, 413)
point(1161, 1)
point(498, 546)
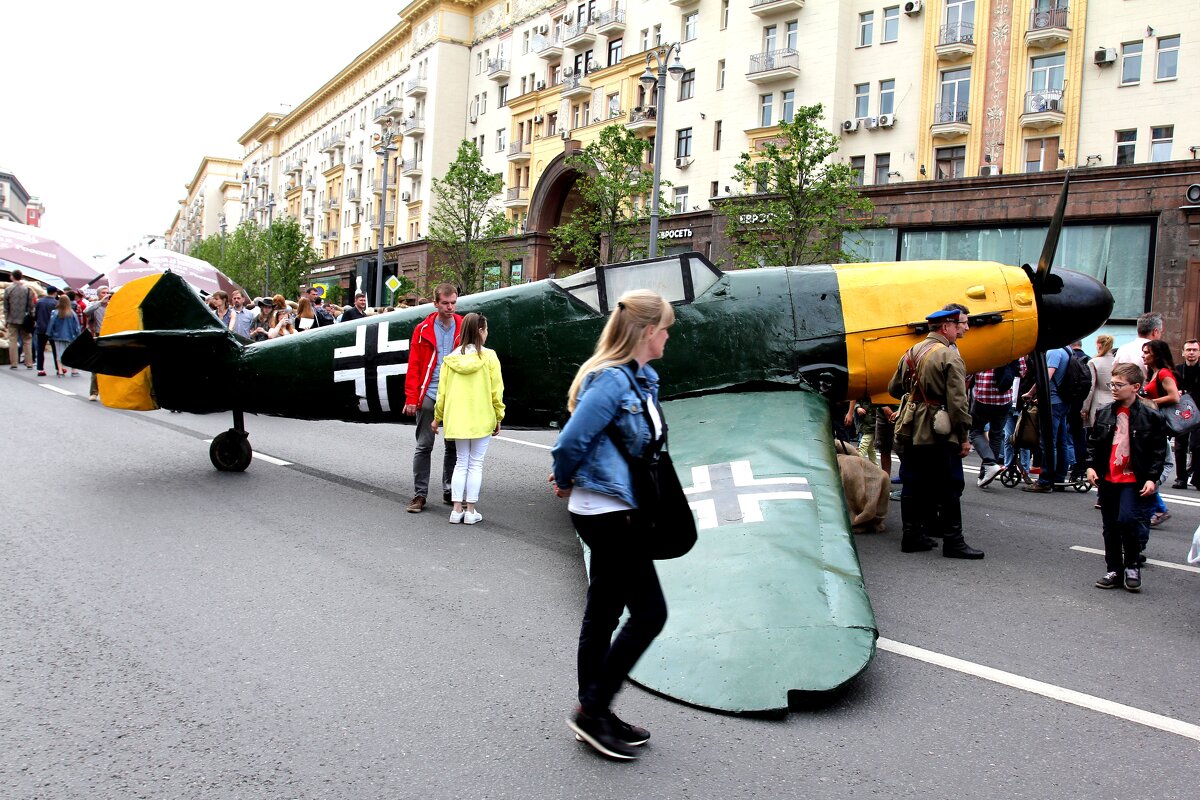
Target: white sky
point(106, 108)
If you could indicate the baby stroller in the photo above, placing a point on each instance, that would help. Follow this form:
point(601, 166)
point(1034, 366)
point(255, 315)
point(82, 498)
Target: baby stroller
point(1026, 435)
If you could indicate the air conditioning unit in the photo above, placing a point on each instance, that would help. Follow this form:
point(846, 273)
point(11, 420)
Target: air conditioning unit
point(872, 123)
point(538, 118)
point(1105, 56)
point(593, 65)
point(912, 7)
point(412, 114)
point(851, 125)
point(566, 135)
point(887, 120)
point(543, 29)
point(1053, 103)
point(683, 162)
point(406, 196)
point(539, 85)
point(989, 170)
point(568, 18)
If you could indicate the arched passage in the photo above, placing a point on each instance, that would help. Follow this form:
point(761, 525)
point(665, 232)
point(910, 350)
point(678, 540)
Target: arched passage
point(554, 199)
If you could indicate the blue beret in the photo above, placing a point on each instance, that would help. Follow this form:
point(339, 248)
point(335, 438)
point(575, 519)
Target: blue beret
point(938, 317)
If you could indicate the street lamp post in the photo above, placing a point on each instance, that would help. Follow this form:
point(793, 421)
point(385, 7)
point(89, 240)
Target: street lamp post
point(660, 56)
point(270, 215)
point(384, 141)
point(221, 225)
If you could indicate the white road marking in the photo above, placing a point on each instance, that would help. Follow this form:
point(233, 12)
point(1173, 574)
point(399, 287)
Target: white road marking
point(1120, 710)
point(1153, 561)
point(263, 457)
point(521, 441)
point(1176, 498)
point(56, 389)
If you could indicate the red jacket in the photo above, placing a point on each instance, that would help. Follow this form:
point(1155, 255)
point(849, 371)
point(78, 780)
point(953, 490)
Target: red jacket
point(422, 358)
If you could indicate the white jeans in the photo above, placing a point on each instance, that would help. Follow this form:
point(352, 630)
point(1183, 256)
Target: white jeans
point(468, 469)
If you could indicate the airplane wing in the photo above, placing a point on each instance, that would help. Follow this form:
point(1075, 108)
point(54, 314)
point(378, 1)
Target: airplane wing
point(771, 599)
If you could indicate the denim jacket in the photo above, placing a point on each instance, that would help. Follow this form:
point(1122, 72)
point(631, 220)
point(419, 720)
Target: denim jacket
point(584, 455)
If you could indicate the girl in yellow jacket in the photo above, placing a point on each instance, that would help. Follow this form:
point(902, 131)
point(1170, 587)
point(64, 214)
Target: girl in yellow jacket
point(470, 402)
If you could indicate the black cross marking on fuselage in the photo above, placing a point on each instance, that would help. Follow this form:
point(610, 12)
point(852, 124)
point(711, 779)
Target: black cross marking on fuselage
point(369, 362)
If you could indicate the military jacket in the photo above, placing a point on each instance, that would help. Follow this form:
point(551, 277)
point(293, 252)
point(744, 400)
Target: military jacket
point(942, 378)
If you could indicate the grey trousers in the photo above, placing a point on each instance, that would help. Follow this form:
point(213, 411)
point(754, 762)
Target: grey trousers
point(994, 418)
point(421, 458)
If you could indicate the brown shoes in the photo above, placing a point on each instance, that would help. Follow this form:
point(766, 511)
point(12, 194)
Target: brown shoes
point(416, 506)
point(1039, 488)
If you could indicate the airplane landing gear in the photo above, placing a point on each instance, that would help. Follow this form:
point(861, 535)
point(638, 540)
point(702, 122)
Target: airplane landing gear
point(230, 450)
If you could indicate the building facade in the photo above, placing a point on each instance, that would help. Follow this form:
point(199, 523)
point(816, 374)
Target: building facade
point(213, 200)
point(16, 204)
point(933, 99)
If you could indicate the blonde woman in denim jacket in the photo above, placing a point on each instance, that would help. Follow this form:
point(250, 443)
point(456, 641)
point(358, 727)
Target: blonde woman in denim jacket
point(611, 389)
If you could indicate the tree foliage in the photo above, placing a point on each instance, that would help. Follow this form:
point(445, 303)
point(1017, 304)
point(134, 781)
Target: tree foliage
point(613, 179)
point(248, 249)
point(466, 223)
point(798, 203)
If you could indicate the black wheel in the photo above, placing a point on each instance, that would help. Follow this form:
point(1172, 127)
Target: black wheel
point(230, 451)
point(1082, 486)
point(1010, 477)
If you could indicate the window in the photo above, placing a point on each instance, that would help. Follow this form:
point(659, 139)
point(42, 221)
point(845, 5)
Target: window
point(787, 105)
point(883, 165)
point(687, 85)
point(720, 74)
point(503, 99)
point(955, 96)
point(891, 25)
point(1167, 68)
point(866, 27)
point(792, 30)
point(765, 102)
point(858, 165)
point(1131, 63)
point(614, 50)
point(887, 96)
point(500, 136)
point(1041, 154)
point(514, 269)
point(683, 143)
point(657, 35)
point(717, 135)
point(862, 96)
point(714, 188)
point(951, 162)
point(552, 124)
point(770, 38)
point(691, 25)
point(681, 199)
point(724, 14)
point(1126, 145)
point(645, 39)
point(525, 43)
point(1160, 142)
point(1047, 73)
point(614, 105)
point(960, 14)
point(483, 103)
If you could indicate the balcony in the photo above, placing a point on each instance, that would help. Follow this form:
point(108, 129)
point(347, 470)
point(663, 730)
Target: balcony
point(950, 120)
point(517, 152)
point(765, 8)
point(774, 65)
point(308, 212)
point(410, 166)
point(374, 188)
point(333, 233)
point(683, 3)
point(498, 70)
point(610, 23)
point(1043, 109)
point(416, 87)
point(325, 205)
point(333, 142)
point(574, 86)
point(334, 204)
point(394, 111)
point(389, 218)
point(352, 195)
point(1047, 28)
point(517, 197)
point(294, 166)
point(550, 48)
point(309, 183)
point(414, 126)
point(356, 161)
point(642, 119)
point(579, 35)
point(956, 41)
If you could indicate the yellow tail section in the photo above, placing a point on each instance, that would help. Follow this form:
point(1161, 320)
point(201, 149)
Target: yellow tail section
point(125, 314)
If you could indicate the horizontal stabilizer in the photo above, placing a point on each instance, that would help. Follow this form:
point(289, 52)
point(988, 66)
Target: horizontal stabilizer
point(127, 354)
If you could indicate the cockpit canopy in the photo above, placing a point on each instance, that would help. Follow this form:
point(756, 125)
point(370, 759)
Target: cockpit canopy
point(680, 279)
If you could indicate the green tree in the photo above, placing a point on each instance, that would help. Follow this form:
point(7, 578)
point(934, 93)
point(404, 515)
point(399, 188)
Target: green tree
point(614, 177)
point(799, 203)
point(466, 224)
point(290, 253)
point(248, 250)
point(209, 249)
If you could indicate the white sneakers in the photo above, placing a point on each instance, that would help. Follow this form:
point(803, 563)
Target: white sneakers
point(465, 517)
point(990, 471)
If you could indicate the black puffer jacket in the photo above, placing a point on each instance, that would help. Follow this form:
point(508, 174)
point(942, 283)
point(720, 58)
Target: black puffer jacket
point(1147, 441)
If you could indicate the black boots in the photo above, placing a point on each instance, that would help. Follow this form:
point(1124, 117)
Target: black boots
point(913, 519)
point(953, 544)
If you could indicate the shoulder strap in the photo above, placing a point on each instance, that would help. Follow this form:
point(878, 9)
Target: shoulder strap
point(914, 367)
point(615, 434)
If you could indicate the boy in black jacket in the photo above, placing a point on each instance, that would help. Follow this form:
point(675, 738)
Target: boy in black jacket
point(1126, 453)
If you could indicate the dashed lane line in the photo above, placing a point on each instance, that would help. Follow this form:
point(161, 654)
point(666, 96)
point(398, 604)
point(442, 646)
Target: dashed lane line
point(56, 389)
point(1181, 499)
point(1120, 710)
point(262, 457)
point(522, 441)
point(1154, 561)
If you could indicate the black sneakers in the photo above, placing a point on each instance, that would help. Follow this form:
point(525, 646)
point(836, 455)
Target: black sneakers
point(1111, 580)
point(1133, 579)
point(607, 735)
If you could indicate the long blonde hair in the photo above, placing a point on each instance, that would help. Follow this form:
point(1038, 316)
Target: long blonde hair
point(1104, 343)
point(637, 310)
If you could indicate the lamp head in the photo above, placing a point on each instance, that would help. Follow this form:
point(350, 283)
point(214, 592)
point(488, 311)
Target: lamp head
point(648, 80)
point(676, 69)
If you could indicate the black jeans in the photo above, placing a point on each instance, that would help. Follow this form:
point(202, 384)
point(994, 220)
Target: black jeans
point(1124, 518)
point(620, 578)
point(989, 446)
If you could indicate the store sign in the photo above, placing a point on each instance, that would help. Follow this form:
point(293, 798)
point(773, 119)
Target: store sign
point(753, 219)
point(678, 233)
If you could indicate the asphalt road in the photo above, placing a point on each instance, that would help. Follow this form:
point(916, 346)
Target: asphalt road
point(171, 631)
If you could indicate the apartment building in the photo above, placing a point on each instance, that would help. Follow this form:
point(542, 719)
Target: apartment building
point(213, 196)
point(16, 204)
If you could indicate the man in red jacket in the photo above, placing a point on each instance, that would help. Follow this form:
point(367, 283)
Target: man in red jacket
point(432, 340)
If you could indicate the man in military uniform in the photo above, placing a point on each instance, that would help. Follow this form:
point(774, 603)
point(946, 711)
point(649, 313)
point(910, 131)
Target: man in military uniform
point(932, 429)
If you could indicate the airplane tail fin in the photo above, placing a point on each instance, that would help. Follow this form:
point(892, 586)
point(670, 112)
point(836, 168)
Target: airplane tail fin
point(159, 345)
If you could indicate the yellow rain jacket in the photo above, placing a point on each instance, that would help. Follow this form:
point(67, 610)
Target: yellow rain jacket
point(470, 396)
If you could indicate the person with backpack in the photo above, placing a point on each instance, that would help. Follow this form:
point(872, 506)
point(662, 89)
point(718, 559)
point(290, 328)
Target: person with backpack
point(1069, 382)
point(991, 400)
point(1075, 413)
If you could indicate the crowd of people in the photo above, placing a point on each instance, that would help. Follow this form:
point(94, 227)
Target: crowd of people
point(264, 318)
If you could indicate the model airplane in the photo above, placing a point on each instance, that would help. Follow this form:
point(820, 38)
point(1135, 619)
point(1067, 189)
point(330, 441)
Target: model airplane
point(771, 600)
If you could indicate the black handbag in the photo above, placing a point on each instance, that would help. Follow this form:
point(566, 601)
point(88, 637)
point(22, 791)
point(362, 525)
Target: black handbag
point(662, 510)
point(1182, 417)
